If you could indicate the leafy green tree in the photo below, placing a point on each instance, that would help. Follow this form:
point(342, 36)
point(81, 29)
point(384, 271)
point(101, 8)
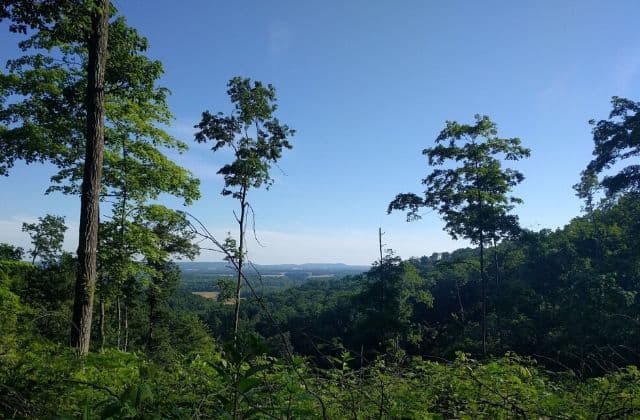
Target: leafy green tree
point(256, 138)
point(165, 234)
point(52, 113)
point(96, 45)
point(615, 140)
point(393, 290)
point(118, 274)
point(85, 24)
point(47, 236)
point(29, 14)
point(471, 190)
point(152, 235)
point(48, 291)
point(10, 252)
point(50, 91)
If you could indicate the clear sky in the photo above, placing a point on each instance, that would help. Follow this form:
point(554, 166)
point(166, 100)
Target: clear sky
point(368, 84)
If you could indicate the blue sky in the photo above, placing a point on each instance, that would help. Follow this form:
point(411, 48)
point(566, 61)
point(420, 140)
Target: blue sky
point(368, 85)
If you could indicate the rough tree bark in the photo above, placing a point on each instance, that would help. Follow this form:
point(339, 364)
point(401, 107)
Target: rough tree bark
point(90, 198)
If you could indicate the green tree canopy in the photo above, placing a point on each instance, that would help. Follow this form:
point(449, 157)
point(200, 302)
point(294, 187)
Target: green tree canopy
point(469, 187)
point(392, 289)
point(251, 131)
point(47, 236)
point(10, 252)
point(48, 114)
point(47, 122)
point(616, 140)
point(256, 138)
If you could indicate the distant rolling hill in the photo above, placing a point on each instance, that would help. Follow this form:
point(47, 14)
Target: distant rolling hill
point(225, 267)
point(203, 276)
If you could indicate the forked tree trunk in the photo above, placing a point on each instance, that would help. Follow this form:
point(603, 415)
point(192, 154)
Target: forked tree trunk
point(34, 254)
point(90, 199)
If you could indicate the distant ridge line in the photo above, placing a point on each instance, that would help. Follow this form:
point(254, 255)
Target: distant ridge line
point(222, 265)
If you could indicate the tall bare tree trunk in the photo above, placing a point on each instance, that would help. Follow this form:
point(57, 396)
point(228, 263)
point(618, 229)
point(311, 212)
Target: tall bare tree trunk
point(495, 261)
point(484, 297)
point(460, 301)
point(381, 273)
point(102, 335)
point(496, 265)
point(34, 254)
point(483, 284)
point(126, 326)
point(123, 256)
point(119, 319)
point(383, 331)
point(152, 299)
point(90, 199)
point(241, 222)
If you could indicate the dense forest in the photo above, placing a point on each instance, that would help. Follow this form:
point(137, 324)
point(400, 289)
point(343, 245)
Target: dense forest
point(520, 324)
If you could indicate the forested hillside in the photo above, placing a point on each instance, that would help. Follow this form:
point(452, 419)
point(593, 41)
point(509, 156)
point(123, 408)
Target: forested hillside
point(567, 298)
point(518, 323)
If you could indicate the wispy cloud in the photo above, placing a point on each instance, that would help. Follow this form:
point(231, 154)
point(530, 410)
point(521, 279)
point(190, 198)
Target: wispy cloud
point(280, 38)
point(351, 246)
point(274, 246)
